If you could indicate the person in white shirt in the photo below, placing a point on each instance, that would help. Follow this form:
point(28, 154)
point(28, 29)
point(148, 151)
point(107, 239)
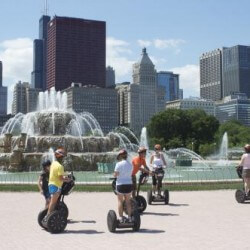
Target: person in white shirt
point(157, 163)
point(123, 173)
point(245, 162)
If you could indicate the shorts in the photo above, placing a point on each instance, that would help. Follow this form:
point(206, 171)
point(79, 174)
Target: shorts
point(54, 189)
point(124, 189)
point(246, 173)
point(46, 195)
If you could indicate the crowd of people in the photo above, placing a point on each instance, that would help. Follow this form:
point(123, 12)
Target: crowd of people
point(52, 177)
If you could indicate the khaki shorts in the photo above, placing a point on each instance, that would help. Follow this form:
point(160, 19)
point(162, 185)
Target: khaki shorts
point(246, 173)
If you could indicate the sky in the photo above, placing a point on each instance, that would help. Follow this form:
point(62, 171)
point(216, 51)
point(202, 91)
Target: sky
point(175, 33)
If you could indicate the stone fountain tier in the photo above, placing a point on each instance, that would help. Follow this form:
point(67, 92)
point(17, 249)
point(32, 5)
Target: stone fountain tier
point(17, 161)
point(41, 144)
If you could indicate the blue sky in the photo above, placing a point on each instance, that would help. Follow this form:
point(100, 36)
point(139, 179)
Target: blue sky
point(175, 33)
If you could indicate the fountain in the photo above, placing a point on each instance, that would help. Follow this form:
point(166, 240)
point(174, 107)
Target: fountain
point(27, 138)
point(143, 138)
point(223, 154)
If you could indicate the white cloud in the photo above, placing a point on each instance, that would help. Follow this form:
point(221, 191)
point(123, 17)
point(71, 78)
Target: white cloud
point(144, 43)
point(117, 57)
point(189, 79)
point(16, 56)
point(169, 43)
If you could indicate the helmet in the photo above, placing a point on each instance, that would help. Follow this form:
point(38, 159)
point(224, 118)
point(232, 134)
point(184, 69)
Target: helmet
point(46, 163)
point(141, 150)
point(157, 147)
point(247, 148)
point(60, 152)
point(122, 152)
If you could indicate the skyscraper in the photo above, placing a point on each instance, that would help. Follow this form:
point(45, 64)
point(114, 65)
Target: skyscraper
point(39, 73)
point(211, 75)
point(143, 97)
point(171, 82)
point(76, 52)
point(110, 77)
point(3, 93)
point(236, 70)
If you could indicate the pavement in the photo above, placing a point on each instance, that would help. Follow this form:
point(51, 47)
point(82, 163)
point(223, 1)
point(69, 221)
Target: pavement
point(192, 220)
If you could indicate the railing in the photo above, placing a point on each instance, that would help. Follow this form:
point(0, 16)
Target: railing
point(172, 175)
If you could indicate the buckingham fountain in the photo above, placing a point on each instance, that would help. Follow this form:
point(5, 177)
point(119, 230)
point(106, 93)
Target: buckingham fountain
point(27, 139)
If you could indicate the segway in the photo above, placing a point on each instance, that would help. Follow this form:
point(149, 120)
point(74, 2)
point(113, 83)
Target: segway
point(114, 223)
point(140, 200)
point(240, 194)
point(159, 197)
point(56, 221)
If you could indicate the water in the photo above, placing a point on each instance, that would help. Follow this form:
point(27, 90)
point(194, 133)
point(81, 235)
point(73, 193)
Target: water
point(223, 154)
point(143, 138)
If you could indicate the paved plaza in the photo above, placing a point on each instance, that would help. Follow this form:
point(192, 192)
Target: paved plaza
point(192, 220)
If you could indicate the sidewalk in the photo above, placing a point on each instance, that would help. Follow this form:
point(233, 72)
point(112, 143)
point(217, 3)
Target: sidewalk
point(192, 220)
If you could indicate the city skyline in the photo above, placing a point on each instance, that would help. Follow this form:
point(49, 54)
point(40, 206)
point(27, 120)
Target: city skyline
point(174, 37)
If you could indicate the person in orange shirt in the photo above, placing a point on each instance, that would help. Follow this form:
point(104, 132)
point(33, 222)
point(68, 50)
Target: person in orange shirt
point(139, 164)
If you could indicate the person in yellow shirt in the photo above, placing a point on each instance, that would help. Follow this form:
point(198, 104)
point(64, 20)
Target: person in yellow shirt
point(56, 178)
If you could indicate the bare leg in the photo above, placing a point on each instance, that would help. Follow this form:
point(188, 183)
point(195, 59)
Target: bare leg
point(128, 203)
point(247, 185)
point(120, 204)
point(47, 203)
point(53, 202)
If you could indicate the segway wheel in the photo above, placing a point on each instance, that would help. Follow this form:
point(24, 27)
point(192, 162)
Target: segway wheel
point(63, 209)
point(112, 221)
point(240, 196)
point(133, 206)
point(150, 197)
point(137, 221)
point(56, 223)
point(141, 203)
point(40, 217)
point(166, 196)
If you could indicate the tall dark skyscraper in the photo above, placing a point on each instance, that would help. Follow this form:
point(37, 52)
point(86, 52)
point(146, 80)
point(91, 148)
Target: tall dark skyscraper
point(3, 93)
point(236, 70)
point(76, 52)
point(39, 73)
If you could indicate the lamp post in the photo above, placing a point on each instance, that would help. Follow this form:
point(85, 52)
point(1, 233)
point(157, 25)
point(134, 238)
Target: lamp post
point(192, 146)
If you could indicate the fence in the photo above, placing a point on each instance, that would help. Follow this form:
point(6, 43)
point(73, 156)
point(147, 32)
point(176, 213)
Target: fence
point(172, 175)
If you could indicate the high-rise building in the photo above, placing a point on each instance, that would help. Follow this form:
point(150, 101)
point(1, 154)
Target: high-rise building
point(234, 107)
point(110, 77)
point(39, 73)
point(102, 103)
point(236, 70)
point(24, 98)
point(144, 97)
point(171, 82)
point(211, 75)
point(3, 93)
point(76, 52)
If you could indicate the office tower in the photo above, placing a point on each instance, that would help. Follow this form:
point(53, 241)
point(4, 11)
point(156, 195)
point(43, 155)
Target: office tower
point(76, 52)
point(144, 97)
point(211, 75)
point(180, 94)
point(110, 77)
point(171, 82)
point(3, 93)
point(100, 102)
point(236, 70)
point(24, 98)
point(234, 107)
point(39, 73)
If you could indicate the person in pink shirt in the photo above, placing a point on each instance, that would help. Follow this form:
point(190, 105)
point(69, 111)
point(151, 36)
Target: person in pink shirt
point(245, 163)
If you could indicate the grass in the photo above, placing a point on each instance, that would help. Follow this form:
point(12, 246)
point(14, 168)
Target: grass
point(108, 188)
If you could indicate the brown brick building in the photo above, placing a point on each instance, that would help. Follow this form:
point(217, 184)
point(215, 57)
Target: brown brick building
point(76, 52)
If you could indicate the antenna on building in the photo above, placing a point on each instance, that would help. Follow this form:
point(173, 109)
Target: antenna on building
point(46, 7)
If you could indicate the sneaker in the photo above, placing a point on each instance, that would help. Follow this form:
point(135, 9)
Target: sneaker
point(129, 219)
point(45, 219)
point(122, 219)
